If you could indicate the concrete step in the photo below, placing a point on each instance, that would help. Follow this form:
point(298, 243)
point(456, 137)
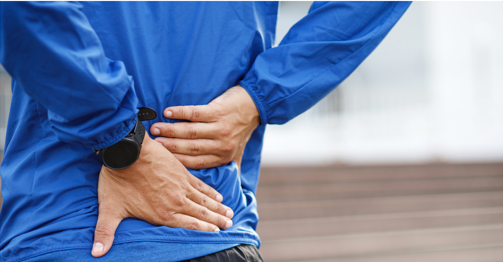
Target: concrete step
point(485, 253)
point(291, 228)
point(377, 205)
point(292, 175)
point(379, 243)
point(319, 191)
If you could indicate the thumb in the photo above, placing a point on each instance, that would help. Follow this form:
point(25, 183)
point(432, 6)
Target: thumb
point(104, 233)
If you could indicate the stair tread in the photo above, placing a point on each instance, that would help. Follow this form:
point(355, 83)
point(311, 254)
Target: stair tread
point(482, 253)
point(433, 212)
point(370, 243)
point(377, 205)
point(274, 229)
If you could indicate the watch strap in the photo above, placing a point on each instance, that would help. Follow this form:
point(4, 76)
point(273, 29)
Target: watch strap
point(139, 132)
point(144, 114)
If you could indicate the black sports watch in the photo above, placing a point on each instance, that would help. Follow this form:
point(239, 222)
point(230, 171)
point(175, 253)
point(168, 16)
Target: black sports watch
point(124, 153)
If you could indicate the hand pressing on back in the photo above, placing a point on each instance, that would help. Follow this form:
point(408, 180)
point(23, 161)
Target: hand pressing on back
point(217, 134)
point(158, 189)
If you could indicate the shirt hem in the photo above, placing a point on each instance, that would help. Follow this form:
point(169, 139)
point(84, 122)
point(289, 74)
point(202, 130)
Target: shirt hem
point(254, 242)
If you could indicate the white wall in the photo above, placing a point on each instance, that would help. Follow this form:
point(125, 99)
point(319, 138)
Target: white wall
point(430, 92)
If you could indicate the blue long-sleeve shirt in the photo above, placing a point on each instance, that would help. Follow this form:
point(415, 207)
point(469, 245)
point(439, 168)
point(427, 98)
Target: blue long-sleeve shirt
point(80, 71)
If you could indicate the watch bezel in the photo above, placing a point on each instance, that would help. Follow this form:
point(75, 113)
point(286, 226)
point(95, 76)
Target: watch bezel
point(135, 137)
point(129, 142)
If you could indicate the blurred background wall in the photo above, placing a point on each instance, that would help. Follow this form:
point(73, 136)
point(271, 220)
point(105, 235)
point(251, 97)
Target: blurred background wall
point(403, 161)
point(432, 91)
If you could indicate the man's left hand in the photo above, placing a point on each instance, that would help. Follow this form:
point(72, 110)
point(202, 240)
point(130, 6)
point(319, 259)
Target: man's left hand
point(217, 134)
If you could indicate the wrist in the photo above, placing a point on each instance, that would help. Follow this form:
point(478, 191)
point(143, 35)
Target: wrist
point(126, 152)
point(250, 107)
point(142, 158)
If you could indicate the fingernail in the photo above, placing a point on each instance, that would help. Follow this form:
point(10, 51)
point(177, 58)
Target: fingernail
point(229, 213)
point(228, 224)
point(97, 247)
point(219, 198)
point(217, 229)
point(168, 114)
point(156, 132)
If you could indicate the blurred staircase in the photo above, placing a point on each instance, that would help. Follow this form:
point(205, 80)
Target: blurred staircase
point(433, 213)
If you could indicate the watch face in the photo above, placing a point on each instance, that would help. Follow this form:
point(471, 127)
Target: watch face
point(121, 155)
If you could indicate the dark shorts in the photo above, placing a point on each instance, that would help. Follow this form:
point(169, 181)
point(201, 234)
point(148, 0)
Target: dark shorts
point(239, 253)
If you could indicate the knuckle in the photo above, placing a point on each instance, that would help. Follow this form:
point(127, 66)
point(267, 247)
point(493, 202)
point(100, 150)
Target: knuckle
point(178, 200)
point(200, 163)
point(226, 131)
point(228, 148)
point(190, 180)
point(196, 113)
point(166, 216)
point(203, 214)
point(233, 145)
point(195, 225)
point(221, 222)
point(191, 133)
point(103, 232)
point(194, 148)
point(204, 201)
point(199, 185)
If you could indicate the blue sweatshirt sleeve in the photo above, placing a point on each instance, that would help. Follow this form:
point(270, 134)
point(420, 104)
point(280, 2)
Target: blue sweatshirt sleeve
point(316, 55)
point(54, 55)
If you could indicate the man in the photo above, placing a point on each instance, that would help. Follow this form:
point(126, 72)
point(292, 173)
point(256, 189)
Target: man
point(81, 71)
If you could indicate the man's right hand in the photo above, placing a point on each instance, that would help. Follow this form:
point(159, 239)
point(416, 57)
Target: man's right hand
point(158, 189)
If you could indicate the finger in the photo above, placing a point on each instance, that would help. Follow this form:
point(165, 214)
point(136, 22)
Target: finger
point(204, 214)
point(188, 147)
point(185, 130)
point(209, 203)
point(188, 222)
point(200, 162)
point(104, 233)
point(204, 113)
point(202, 187)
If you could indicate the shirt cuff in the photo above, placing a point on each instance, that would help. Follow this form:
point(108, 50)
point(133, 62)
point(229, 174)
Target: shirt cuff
point(250, 88)
point(120, 133)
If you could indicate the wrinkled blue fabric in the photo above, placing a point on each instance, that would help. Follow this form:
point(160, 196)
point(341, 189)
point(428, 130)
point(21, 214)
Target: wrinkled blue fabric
point(80, 70)
point(137, 252)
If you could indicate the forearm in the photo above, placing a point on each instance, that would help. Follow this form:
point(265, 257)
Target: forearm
point(54, 55)
point(317, 54)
